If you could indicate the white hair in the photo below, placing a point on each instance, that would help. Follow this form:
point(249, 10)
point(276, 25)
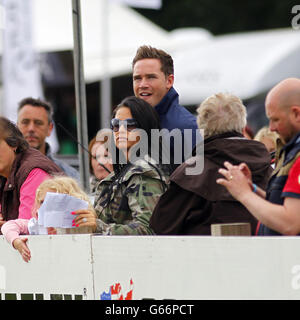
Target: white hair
point(220, 113)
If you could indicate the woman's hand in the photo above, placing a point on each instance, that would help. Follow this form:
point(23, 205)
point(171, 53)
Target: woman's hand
point(20, 245)
point(85, 218)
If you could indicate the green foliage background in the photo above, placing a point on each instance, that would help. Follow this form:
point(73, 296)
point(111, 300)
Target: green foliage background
point(225, 16)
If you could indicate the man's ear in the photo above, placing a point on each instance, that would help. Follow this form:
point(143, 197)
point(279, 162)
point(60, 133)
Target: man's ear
point(170, 81)
point(296, 113)
point(50, 129)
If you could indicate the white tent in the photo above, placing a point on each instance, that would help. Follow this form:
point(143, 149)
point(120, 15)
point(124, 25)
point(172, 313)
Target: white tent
point(183, 39)
point(125, 32)
point(245, 64)
point(126, 29)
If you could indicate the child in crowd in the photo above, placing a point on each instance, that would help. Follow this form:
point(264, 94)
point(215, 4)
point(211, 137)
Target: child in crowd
point(268, 138)
point(13, 228)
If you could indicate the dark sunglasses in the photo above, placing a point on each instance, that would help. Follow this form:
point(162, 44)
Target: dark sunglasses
point(130, 124)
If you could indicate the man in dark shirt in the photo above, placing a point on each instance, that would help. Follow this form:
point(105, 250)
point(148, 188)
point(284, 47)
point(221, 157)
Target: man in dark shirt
point(278, 208)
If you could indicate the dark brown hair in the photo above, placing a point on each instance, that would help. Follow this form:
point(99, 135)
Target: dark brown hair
point(37, 103)
point(10, 133)
point(148, 52)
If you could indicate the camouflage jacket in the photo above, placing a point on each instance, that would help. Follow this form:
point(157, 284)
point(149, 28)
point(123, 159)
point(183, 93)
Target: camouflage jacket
point(125, 208)
point(93, 184)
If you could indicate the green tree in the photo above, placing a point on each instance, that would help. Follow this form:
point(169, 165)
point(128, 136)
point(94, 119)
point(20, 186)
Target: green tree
point(225, 16)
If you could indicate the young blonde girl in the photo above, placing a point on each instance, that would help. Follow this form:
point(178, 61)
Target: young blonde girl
point(60, 184)
point(268, 138)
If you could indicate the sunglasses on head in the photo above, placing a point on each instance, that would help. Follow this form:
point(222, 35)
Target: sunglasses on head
point(130, 124)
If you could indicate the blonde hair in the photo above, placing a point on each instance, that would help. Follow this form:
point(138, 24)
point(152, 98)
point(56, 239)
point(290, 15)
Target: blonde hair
point(60, 184)
point(265, 132)
point(220, 113)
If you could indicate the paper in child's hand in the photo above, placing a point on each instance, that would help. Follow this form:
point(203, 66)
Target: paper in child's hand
point(56, 210)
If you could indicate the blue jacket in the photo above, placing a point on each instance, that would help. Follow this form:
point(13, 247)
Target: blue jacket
point(174, 116)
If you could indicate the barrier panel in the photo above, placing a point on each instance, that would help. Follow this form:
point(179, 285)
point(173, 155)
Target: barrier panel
point(59, 265)
point(154, 267)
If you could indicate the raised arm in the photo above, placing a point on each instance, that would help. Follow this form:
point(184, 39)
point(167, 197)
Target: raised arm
point(284, 219)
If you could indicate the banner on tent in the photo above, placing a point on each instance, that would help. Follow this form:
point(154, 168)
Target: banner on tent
point(21, 77)
point(21, 74)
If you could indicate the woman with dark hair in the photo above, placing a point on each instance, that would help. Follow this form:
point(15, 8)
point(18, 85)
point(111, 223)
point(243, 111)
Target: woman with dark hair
point(22, 169)
point(128, 196)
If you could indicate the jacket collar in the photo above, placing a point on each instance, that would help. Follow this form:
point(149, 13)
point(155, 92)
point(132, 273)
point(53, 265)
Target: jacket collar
point(47, 149)
point(230, 134)
point(164, 105)
point(292, 142)
point(289, 147)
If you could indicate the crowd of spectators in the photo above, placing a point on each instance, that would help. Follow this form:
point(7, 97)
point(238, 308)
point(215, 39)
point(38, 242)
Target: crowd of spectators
point(138, 191)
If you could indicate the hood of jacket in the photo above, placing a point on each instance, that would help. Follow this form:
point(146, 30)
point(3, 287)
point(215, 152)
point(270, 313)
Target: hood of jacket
point(232, 147)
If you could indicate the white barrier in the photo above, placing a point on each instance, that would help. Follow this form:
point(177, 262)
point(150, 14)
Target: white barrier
point(97, 267)
point(59, 265)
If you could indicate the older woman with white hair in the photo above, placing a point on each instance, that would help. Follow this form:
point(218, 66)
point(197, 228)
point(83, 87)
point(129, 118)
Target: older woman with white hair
point(195, 201)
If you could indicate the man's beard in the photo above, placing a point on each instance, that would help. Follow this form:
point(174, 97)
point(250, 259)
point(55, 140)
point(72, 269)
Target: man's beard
point(36, 145)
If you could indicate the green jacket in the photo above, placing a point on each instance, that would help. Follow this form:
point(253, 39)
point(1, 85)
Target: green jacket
point(132, 200)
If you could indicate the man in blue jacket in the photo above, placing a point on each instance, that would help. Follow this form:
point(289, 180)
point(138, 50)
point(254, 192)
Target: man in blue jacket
point(153, 78)
point(277, 208)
